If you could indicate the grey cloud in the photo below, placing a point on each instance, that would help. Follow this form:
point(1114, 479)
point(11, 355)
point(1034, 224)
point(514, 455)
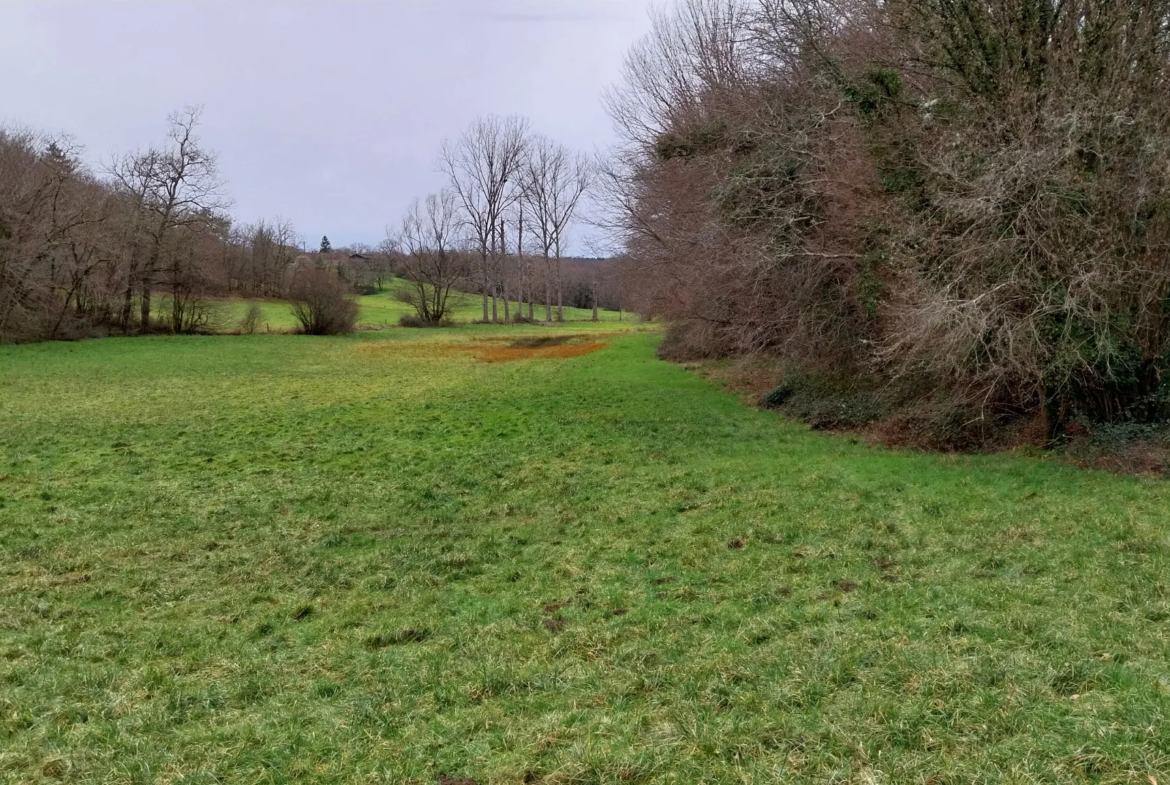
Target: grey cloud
point(327, 113)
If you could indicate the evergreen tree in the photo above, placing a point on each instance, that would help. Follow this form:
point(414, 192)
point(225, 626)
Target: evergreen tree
point(326, 246)
point(59, 159)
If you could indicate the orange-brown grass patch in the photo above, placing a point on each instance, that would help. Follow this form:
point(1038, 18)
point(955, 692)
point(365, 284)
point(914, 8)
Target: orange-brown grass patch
point(498, 349)
point(407, 349)
point(505, 354)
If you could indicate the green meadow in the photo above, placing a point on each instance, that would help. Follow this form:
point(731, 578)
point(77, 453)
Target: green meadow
point(378, 558)
point(384, 310)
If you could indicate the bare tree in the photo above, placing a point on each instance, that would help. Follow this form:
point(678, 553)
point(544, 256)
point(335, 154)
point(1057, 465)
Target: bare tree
point(54, 236)
point(555, 180)
point(483, 167)
point(431, 263)
point(174, 187)
point(259, 257)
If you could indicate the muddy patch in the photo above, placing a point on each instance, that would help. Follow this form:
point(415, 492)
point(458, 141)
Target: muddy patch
point(498, 349)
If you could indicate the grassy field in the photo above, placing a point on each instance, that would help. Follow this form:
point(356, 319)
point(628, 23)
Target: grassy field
point(379, 558)
point(384, 310)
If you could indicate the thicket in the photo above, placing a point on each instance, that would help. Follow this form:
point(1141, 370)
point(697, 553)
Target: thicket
point(961, 208)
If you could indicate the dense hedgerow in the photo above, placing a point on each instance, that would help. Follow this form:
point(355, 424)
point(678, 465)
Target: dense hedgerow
point(968, 202)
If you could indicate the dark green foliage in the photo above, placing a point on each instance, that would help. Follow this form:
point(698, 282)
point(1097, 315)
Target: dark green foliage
point(870, 286)
point(779, 396)
point(1103, 377)
point(701, 139)
point(828, 399)
point(326, 246)
point(415, 321)
point(875, 92)
point(898, 180)
point(763, 189)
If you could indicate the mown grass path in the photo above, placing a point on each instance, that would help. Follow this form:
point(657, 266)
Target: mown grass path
point(378, 559)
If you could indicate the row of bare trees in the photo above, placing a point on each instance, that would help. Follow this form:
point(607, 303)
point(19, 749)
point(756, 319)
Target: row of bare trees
point(86, 252)
point(937, 200)
point(500, 227)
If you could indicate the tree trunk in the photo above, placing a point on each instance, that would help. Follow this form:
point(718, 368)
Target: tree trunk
point(504, 272)
point(1055, 416)
point(61, 316)
point(560, 287)
point(593, 295)
point(485, 292)
point(128, 302)
point(176, 308)
point(147, 284)
point(144, 305)
point(547, 290)
point(520, 263)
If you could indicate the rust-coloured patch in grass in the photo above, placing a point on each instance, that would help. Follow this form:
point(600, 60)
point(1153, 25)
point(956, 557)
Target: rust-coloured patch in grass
point(505, 354)
point(498, 349)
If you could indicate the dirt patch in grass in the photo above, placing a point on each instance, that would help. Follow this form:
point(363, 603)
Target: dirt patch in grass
point(554, 625)
point(541, 347)
point(501, 349)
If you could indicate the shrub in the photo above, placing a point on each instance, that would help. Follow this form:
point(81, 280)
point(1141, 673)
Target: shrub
point(251, 320)
point(322, 303)
point(412, 320)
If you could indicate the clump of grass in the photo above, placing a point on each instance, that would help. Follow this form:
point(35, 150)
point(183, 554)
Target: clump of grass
point(401, 637)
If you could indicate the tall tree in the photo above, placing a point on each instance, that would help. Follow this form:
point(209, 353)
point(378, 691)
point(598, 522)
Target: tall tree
point(176, 186)
point(431, 264)
point(555, 180)
point(484, 167)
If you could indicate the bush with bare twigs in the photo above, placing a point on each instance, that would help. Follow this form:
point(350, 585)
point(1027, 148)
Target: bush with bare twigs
point(322, 303)
point(251, 319)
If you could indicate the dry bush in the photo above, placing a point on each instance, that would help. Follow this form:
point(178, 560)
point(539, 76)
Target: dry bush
point(251, 319)
point(322, 303)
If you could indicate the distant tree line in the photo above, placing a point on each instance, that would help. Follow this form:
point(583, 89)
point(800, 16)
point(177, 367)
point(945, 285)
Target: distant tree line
point(959, 212)
point(142, 245)
point(500, 229)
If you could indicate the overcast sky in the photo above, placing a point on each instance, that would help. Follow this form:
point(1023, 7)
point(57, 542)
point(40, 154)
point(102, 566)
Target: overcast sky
point(325, 112)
